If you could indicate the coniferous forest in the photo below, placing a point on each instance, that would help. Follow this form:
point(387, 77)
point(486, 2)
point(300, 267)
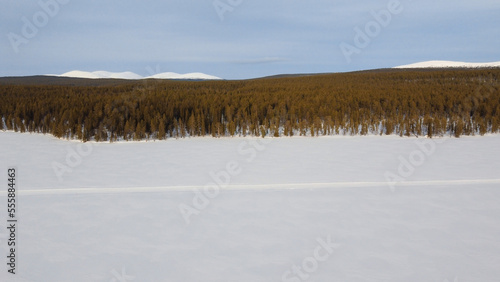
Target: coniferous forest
point(402, 102)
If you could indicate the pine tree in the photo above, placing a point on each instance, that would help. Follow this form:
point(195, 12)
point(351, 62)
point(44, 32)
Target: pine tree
point(192, 125)
point(161, 130)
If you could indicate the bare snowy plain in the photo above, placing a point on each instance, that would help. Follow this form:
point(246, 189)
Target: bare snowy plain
point(375, 208)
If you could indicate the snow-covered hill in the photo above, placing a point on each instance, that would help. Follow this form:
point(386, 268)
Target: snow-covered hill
point(131, 75)
point(194, 75)
point(449, 64)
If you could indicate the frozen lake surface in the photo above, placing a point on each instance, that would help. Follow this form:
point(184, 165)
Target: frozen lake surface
point(247, 209)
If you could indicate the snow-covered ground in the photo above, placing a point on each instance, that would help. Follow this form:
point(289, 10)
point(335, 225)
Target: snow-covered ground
point(449, 64)
point(131, 75)
point(376, 208)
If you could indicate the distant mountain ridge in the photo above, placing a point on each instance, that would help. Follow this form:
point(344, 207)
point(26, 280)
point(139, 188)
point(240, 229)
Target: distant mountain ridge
point(448, 64)
point(131, 75)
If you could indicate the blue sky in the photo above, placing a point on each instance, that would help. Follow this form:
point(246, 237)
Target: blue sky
point(236, 39)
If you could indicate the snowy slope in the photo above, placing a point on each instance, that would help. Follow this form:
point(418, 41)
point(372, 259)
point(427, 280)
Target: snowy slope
point(449, 64)
point(121, 75)
point(80, 74)
point(319, 205)
point(131, 75)
point(194, 75)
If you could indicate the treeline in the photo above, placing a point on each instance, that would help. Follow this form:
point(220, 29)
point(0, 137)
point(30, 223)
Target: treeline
point(406, 103)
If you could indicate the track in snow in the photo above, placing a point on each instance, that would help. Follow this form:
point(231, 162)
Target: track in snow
point(108, 190)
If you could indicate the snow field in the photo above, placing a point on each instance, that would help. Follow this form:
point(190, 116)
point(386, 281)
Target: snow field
point(285, 209)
